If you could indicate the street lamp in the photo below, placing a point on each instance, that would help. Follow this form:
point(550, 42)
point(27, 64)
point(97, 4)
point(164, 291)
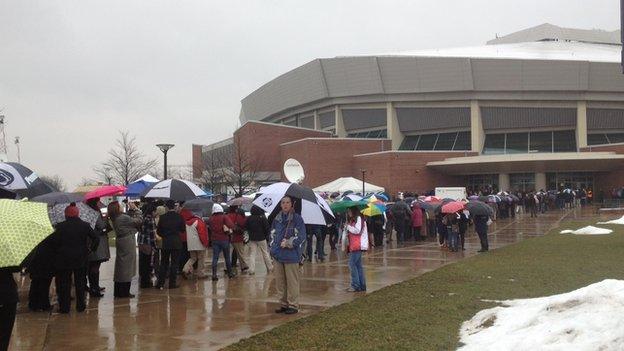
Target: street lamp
point(164, 148)
point(363, 183)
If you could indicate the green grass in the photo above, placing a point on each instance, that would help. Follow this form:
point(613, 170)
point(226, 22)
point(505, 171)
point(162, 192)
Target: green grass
point(425, 313)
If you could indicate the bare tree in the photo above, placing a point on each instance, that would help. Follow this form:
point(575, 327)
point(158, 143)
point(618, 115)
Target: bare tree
point(125, 163)
point(243, 171)
point(211, 170)
point(55, 181)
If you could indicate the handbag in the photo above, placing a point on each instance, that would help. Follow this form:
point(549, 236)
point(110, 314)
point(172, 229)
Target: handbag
point(245, 237)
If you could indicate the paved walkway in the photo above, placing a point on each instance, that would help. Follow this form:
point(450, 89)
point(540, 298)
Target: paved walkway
point(207, 315)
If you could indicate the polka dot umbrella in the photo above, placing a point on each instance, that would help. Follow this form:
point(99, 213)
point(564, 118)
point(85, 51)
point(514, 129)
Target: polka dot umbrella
point(23, 225)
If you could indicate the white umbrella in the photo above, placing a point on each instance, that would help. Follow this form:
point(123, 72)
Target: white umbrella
point(312, 208)
point(87, 214)
point(174, 189)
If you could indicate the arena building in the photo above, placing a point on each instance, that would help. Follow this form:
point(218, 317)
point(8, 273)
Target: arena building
point(537, 109)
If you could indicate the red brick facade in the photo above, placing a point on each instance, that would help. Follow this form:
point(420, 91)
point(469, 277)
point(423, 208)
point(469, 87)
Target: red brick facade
point(607, 181)
point(325, 159)
point(197, 160)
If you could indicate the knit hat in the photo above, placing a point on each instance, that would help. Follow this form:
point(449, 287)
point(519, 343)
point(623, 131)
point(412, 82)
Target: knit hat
point(71, 211)
point(216, 208)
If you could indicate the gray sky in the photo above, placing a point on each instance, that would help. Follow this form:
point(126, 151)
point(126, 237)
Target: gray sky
point(73, 73)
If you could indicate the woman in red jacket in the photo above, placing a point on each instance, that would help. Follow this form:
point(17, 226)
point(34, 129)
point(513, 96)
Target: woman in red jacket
point(417, 218)
point(240, 221)
point(220, 226)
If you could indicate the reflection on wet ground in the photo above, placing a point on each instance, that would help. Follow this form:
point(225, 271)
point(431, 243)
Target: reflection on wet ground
point(209, 315)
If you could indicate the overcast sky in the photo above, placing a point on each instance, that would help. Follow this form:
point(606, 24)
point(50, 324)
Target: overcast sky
point(74, 73)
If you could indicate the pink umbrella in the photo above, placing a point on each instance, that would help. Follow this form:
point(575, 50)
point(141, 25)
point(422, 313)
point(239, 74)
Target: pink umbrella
point(452, 207)
point(432, 199)
point(105, 190)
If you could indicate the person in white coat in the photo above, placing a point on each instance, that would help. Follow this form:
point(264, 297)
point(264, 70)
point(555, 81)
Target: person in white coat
point(357, 236)
point(196, 241)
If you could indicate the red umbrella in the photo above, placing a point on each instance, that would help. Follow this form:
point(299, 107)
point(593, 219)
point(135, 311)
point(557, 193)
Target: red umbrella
point(105, 190)
point(453, 207)
point(432, 199)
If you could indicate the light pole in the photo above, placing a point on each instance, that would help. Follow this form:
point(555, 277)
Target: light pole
point(363, 182)
point(17, 144)
point(164, 148)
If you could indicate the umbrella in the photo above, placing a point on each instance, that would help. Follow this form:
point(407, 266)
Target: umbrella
point(136, 188)
point(428, 206)
point(23, 225)
point(174, 189)
point(105, 190)
point(431, 199)
point(201, 207)
point(18, 179)
point(452, 207)
point(382, 196)
point(87, 214)
point(344, 205)
point(240, 201)
point(313, 208)
point(58, 197)
point(352, 197)
point(478, 208)
point(374, 207)
point(473, 197)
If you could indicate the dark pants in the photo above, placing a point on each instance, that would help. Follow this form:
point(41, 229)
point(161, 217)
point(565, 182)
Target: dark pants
point(431, 228)
point(333, 236)
point(234, 258)
point(145, 270)
point(93, 273)
point(315, 231)
point(219, 246)
point(168, 264)
point(462, 238)
point(64, 278)
point(39, 292)
point(378, 233)
point(399, 227)
point(7, 319)
point(533, 210)
point(183, 256)
point(122, 289)
point(416, 231)
point(484, 240)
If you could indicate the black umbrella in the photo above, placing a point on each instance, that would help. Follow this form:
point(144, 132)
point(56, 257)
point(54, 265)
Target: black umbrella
point(478, 208)
point(58, 198)
point(19, 179)
point(309, 205)
point(174, 189)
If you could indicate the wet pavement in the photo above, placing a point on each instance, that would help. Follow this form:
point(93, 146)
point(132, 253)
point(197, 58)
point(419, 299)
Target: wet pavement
point(207, 315)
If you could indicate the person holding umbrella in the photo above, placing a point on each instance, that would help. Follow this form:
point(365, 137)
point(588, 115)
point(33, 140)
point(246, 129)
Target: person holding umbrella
point(71, 249)
point(357, 237)
point(169, 228)
point(237, 239)
point(288, 235)
point(259, 230)
point(102, 254)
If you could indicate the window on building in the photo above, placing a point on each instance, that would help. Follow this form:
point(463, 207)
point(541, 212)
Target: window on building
point(375, 134)
point(605, 138)
point(522, 181)
point(458, 141)
point(514, 143)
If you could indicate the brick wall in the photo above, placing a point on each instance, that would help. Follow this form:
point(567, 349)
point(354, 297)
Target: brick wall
point(197, 160)
point(606, 181)
point(262, 142)
point(406, 171)
point(325, 159)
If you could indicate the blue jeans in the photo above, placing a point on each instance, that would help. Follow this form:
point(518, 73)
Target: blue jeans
point(358, 281)
point(219, 246)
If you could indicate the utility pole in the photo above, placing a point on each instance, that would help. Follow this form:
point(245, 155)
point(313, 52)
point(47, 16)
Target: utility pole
point(3, 147)
point(17, 145)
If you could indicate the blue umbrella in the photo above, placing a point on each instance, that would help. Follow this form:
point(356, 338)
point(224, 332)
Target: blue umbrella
point(135, 189)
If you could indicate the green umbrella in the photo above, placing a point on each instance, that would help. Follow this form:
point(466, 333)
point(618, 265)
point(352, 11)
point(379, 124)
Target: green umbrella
point(343, 206)
point(23, 225)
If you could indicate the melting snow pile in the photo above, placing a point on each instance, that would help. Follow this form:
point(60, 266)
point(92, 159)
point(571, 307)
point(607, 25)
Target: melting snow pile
point(615, 221)
point(590, 318)
point(589, 230)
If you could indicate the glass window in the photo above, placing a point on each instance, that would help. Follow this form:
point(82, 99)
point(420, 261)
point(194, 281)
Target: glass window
point(522, 181)
point(615, 138)
point(463, 141)
point(517, 143)
point(597, 139)
point(564, 141)
point(540, 142)
point(427, 142)
point(494, 144)
point(383, 133)
point(446, 141)
point(409, 142)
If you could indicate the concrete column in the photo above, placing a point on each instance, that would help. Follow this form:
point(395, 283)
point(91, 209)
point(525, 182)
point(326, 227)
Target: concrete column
point(392, 126)
point(581, 124)
point(477, 135)
point(317, 120)
point(503, 182)
point(540, 181)
point(340, 128)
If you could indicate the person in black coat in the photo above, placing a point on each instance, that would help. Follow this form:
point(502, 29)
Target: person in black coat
point(481, 228)
point(72, 241)
point(8, 305)
point(41, 273)
point(259, 232)
point(463, 223)
point(170, 225)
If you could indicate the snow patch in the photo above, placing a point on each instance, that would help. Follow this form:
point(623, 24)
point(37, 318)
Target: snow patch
point(589, 230)
point(615, 221)
point(590, 318)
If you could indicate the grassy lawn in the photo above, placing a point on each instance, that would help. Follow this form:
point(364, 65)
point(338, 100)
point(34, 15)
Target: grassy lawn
point(425, 313)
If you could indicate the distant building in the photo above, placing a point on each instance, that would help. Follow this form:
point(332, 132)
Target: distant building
point(541, 108)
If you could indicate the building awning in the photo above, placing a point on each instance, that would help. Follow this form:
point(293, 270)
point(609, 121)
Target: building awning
point(536, 162)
